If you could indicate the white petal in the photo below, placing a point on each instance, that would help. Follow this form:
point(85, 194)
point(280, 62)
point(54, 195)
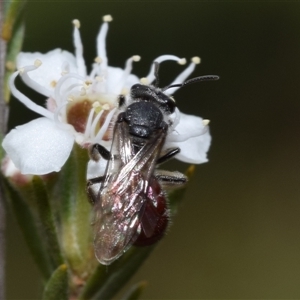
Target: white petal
point(115, 82)
point(38, 147)
point(50, 70)
point(96, 168)
point(194, 149)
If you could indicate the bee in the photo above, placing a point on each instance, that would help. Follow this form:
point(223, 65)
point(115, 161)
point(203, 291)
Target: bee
point(130, 205)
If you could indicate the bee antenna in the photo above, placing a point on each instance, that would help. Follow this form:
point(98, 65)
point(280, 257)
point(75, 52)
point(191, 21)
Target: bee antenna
point(192, 80)
point(156, 68)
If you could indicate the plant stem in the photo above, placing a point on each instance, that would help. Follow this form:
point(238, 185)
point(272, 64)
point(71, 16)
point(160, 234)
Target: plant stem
point(3, 124)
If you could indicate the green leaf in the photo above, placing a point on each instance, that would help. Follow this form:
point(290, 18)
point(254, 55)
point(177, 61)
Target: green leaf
point(74, 211)
point(108, 280)
point(135, 291)
point(13, 10)
point(46, 219)
point(29, 228)
point(13, 32)
point(57, 286)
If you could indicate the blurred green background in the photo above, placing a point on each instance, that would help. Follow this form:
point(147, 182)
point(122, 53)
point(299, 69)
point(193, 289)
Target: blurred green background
point(237, 234)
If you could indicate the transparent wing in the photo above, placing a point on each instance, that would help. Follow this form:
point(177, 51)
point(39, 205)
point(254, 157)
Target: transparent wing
point(123, 194)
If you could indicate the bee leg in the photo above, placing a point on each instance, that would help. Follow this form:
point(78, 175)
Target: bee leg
point(170, 179)
point(168, 155)
point(96, 150)
point(122, 100)
point(93, 187)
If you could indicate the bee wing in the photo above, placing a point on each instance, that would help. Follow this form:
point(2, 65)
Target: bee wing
point(122, 198)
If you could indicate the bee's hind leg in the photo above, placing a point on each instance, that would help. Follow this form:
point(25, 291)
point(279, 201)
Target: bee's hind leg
point(170, 179)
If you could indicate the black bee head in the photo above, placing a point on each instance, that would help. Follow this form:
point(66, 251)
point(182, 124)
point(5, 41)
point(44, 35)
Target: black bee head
point(140, 92)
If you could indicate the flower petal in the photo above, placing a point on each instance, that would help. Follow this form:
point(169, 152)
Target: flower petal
point(50, 71)
point(115, 80)
point(192, 149)
point(38, 147)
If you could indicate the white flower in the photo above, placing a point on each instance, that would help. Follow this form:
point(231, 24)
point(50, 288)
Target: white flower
point(81, 107)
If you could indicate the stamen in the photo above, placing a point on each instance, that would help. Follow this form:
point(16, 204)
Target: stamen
point(78, 49)
point(69, 90)
point(101, 41)
point(104, 127)
point(89, 123)
point(151, 76)
point(32, 83)
point(61, 81)
point(95, 70)
point(128, 68)
point(184, 75)
point(26, 101)
point(65, 68)
point(94, 124)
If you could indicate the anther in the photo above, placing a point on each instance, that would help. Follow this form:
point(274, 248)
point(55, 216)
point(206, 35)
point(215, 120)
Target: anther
point(96, 104)
point(136, 58)
point(196, 60)
point(105, 106)
point(37, 63)
point(98, 60)
point(76, 23)
point(107, 18)
point(182, 61)
point(144, 81)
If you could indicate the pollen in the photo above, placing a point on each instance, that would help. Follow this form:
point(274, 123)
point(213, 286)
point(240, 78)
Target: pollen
point(182, 61)
point(76, 23)
point(70, 99)
point(105, 106)
point(98, 60)
point(96, 104)
point(196, 60)
point(37, 63)
point(144, 80)
point(87, 83)
point(205, 122)
point(107, 18)
point(53, 83)
point(136, 58)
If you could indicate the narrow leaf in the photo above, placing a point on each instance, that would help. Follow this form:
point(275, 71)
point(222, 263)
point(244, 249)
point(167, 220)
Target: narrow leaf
point(74, 211)
point(57, 286)
point(12, 12)
point(14, 32)
point(135, 291)
point(29, 229)
point(108, 280)
point(46, 219)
